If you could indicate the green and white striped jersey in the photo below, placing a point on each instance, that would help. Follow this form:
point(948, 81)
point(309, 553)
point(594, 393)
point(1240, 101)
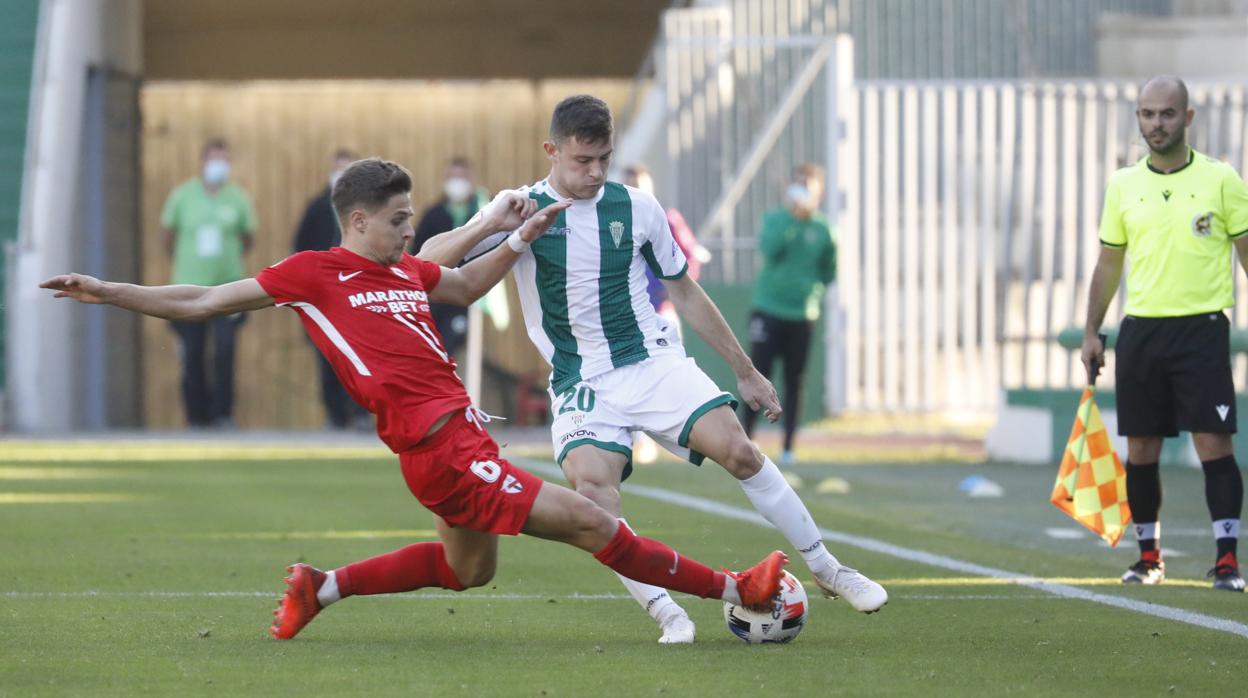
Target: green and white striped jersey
point(583, 284)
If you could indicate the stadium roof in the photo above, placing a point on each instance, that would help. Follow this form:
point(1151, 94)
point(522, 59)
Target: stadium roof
point(452, 39)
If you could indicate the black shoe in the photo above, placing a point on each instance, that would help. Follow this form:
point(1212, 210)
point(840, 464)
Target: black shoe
point(1225, 574)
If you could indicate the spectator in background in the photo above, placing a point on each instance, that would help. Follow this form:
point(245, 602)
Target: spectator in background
point(208, 224)
point(318, 230)
point(461, 199)
point(799, 260)
point(645, 449)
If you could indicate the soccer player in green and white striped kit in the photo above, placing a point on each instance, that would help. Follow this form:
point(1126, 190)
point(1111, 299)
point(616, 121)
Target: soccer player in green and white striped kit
point(617, 367)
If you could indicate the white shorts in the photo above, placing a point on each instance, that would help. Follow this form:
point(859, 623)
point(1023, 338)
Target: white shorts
point(662, 396)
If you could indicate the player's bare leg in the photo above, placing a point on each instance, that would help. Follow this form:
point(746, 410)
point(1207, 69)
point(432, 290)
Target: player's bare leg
point(563, 515)
point(719, 436)
point(596, 474)
point(462, 559)
point(472, 555)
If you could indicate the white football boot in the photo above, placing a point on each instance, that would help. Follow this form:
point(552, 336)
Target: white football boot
point(677, 628)
point(863, 594)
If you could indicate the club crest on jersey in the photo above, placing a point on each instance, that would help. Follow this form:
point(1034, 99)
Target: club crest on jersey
point(617, 232)
point(399, 272)
point(1202, 225)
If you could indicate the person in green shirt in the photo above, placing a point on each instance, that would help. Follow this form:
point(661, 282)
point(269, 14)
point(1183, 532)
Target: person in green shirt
point(461, 199)
point(799, 260)
point(1178, 215)
point(208, 224)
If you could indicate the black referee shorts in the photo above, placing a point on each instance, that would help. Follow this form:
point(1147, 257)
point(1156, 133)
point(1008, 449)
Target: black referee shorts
point(1174, 373)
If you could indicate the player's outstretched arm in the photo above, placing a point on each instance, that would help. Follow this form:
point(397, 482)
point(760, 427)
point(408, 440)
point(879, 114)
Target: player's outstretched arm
point(182, 302)
point(466, 284)
point(1104, 285)
point(508, 211)
point(700, 312)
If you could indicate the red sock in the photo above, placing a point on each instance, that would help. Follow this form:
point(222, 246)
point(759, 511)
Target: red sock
point(414, 567)
point(651, 562)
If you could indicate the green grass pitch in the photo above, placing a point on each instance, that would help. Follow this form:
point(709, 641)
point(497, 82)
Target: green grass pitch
point(154, 570)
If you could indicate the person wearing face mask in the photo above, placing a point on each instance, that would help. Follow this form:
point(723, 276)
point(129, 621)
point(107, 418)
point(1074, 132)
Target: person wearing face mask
point(318, 230)
point(461, 199)
point(799, 260)
point(208, 224)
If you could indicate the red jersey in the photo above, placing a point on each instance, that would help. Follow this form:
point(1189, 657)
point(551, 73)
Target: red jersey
point(372, 322)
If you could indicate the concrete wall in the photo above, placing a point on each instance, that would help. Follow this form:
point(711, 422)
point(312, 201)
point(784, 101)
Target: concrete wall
point(1195, 47)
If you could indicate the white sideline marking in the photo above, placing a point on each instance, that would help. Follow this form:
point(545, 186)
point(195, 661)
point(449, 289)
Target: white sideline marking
point(275, 593)
point(1065, 533)
point(709, 506)
point(434, 595)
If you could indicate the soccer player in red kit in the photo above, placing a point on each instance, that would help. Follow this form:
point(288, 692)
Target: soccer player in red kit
point(366, 307)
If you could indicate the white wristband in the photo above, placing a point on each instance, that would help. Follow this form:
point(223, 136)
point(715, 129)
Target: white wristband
point(517, 243)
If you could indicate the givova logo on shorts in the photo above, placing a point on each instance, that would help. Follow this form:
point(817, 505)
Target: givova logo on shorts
point(578, 434)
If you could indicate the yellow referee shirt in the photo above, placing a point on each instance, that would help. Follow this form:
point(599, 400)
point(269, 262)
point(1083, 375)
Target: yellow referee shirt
point(1177, 229)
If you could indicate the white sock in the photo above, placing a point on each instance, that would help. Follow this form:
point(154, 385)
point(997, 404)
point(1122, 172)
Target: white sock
point(772, 496)
point(328, 593)
point(1150, 531)
point(1226, 528)
point(654, 599)
point(730, 591)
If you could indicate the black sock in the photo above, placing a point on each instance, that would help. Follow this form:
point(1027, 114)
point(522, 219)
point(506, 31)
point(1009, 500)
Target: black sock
point(1224, 493)
point(1144, 497)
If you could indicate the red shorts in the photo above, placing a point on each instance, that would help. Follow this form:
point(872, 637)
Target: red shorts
point(458, 475)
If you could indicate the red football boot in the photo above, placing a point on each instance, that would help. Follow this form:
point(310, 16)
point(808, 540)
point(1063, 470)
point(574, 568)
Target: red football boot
point(298, 604)
point(759, 584)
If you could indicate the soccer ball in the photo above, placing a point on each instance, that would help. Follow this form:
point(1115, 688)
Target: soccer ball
point(781, 624)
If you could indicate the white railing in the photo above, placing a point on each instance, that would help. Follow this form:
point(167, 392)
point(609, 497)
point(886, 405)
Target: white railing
point(969, 240)
point(967, 209)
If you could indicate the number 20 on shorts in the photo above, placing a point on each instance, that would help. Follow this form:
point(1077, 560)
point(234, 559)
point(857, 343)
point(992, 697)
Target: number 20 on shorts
point(577, 398)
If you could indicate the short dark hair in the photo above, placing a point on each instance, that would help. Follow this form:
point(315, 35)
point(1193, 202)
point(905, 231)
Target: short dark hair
point(370, 183)
point(809, 170)
point(459, 161)
point(583, 117)
point(215, 143)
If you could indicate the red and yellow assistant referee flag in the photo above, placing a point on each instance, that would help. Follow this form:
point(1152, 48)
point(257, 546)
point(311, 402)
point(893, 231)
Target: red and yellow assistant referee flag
point(1091, 484)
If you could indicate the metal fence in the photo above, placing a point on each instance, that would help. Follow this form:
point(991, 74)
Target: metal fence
point(745, 100)
point(971, 237)
point(726, 71)
point(968, 209)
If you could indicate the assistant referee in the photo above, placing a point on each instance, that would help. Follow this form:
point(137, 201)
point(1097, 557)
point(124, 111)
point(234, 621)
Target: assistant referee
point(1177, 213)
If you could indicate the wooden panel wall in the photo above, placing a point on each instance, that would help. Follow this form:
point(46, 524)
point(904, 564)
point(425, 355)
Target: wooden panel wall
point(281, 136)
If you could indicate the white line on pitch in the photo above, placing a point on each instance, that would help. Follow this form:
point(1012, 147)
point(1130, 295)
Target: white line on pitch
point(442, 595)
point(710, 506)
